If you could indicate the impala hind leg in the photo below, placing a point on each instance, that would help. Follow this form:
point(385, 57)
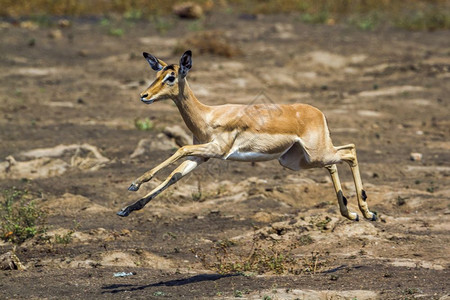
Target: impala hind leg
point(348, 154)
point(340, 196)
point(182, 170)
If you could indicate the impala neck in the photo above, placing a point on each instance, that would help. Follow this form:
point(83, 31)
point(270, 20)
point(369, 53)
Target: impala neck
point(192, 111)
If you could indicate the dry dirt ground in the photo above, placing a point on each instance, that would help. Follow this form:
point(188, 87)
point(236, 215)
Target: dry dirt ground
point(69, 101)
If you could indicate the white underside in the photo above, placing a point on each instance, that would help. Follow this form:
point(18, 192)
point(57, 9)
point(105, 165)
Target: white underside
point(251, 156)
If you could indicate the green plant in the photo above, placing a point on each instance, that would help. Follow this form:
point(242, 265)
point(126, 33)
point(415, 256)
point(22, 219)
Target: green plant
point(162, 24)
point(143, 124)
point(368, 21)
point(159, 294)
point(20, 219)
point(116, 32)
point(305, 239)
point(43, 20)
point(322, 225)
point(431, 18)
point(197, 196)
point(67, 237)
point(315, 18)
point(105, 22)
point(133, 14)
point(196, 25)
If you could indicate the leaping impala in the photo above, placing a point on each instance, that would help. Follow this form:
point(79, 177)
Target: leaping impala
point(297, 135)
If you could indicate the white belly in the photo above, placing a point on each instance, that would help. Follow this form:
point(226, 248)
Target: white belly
point(251, 156)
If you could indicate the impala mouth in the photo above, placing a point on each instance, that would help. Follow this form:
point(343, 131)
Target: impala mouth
point(147, 101)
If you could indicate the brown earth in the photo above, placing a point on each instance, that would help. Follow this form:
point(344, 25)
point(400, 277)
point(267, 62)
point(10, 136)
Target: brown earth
point(74, 94)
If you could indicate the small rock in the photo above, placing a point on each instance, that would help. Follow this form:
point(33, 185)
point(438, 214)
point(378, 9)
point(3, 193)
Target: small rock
point(82, 53)
point(334, 277)
point(188, 10)
point(415, 156)
point(253, 191)
point(10, 261)
point(64, 23)
point(55, 34)
point(28, 25)
point(275, 237)
point(125, 232)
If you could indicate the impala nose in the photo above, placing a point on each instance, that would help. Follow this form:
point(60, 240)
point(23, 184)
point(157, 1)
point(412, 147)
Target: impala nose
point(144, 96)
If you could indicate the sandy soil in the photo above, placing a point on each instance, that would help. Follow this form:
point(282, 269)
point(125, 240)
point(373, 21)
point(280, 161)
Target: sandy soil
point(69, 101)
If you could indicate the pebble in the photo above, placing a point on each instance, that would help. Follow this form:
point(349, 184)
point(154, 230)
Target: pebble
point(55, 34)
point(415, 156)
point(188, 10)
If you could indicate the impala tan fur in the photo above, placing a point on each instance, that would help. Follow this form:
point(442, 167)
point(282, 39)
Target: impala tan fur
point(297, 135)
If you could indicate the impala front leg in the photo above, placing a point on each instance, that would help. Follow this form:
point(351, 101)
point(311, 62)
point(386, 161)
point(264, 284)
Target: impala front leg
point(209, 150)
point(182, 170)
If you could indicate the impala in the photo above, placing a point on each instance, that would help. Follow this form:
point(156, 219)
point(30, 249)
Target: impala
point(297, 135)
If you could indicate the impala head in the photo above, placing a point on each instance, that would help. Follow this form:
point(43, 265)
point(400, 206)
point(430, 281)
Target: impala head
point(168, 78)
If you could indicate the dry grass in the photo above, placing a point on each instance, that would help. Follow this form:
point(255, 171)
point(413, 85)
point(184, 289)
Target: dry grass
point(132, 8)
point(366, 14)
point(264, 257)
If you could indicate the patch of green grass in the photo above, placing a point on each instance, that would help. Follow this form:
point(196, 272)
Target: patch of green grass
point(196, 25)
point(323, 224)
point(305, 239)
point(143, 124)
point(162, 24)
point(133, 14)
point(159, 294)
point(315, 18)
point(42, 20)
point(428, 19)
point(20, 219)
point(118, 32)
point(369, 21)
point(67, 237)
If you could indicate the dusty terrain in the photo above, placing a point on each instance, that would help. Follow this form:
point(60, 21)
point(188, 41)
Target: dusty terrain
point(77, 90)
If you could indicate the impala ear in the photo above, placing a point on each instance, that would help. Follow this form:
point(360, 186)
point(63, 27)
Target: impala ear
point(155, 63)
point(185, 63)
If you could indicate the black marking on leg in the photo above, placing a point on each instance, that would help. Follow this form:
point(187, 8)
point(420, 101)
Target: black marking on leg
point(363, 194)
point(341, 196)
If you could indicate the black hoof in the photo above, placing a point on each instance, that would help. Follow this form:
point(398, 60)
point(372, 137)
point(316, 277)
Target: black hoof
point(374, 217)
point(357, 218)
point(124, 212)
point(133, 187)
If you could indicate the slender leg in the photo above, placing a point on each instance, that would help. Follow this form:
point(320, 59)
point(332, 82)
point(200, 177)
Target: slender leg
point(340, 196)
point(204, 150)
point(348, 154)
point(182, 170)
